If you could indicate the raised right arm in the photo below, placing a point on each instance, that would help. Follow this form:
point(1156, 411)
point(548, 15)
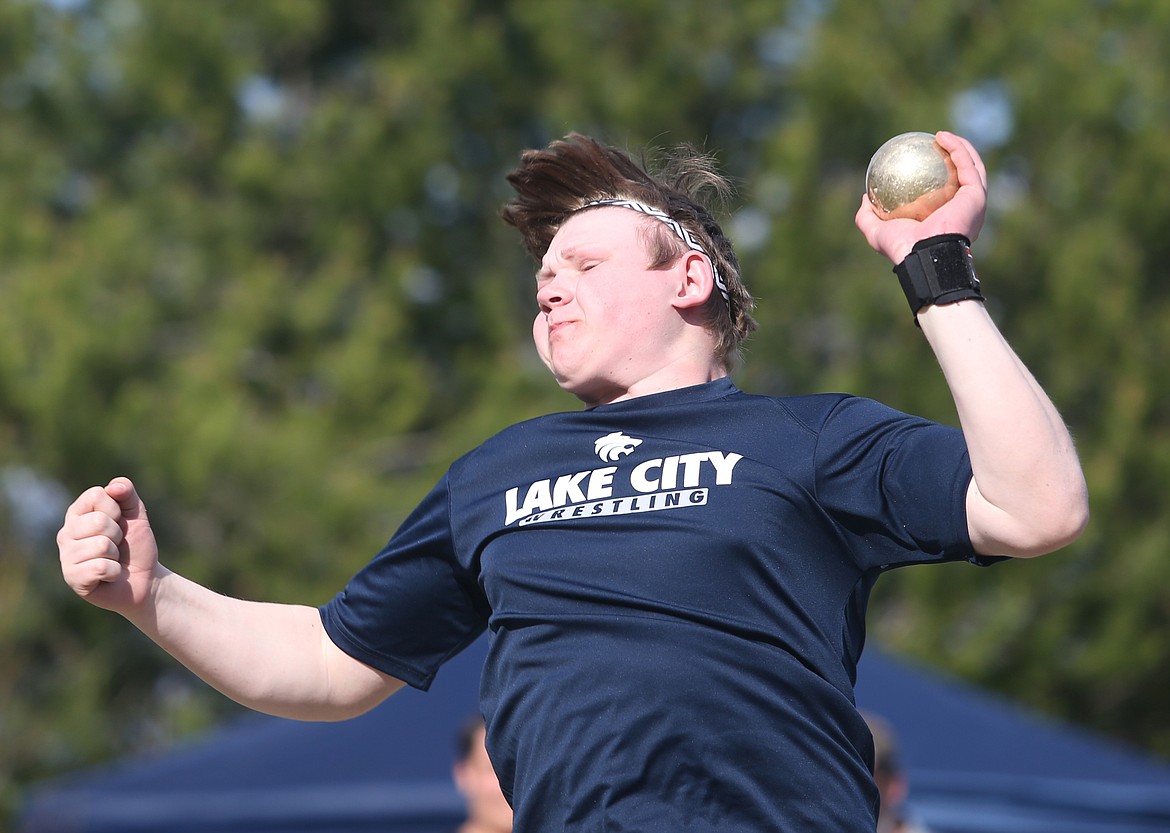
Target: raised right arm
point(274, 658)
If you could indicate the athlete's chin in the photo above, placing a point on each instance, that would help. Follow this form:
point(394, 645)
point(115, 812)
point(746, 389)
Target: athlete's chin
point(561, 365)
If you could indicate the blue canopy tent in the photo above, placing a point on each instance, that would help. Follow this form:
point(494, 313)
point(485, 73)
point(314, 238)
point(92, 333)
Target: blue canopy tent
point(979, 764)
point(976, 765)
point(388, 771)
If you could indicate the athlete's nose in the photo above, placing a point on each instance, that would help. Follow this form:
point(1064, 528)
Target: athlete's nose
point(554, 292)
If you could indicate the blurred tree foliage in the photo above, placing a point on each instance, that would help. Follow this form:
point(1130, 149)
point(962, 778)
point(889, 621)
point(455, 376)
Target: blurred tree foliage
point(249, 256)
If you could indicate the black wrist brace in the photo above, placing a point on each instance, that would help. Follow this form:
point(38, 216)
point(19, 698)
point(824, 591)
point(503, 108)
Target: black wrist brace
point(939, 270)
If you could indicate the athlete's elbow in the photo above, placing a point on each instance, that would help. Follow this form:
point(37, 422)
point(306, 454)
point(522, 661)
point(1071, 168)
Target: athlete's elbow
point(1073, 522)
point(1056, 526)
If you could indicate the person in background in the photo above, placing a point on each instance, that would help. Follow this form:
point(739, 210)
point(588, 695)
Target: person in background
point(487, 809)
point(890, 777)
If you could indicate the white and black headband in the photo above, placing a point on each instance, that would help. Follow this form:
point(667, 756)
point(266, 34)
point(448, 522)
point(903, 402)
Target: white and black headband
point(674, 225)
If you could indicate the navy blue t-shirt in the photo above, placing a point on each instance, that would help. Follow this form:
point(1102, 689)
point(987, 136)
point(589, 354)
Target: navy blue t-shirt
point(675, 587)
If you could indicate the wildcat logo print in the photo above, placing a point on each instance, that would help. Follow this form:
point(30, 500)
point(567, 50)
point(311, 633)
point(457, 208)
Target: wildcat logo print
point(613, 446)
point(678, 481)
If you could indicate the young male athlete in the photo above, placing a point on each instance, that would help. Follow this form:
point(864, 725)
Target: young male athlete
point(674, 578)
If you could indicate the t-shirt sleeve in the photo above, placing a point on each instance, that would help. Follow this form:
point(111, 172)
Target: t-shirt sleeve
point(413, 606)
point(897, 484)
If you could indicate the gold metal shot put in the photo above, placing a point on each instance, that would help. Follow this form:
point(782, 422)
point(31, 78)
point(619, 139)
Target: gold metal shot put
point(910, 176)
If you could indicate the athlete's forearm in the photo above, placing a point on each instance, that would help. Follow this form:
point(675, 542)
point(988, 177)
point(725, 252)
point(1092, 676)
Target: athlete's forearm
point(1028, 494)
point(274, 658)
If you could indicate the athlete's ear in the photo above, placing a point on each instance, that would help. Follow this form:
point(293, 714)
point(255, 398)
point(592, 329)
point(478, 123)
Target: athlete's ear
point(696, 281)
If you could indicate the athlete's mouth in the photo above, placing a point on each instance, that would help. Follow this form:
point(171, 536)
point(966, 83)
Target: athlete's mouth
point(555, 327)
